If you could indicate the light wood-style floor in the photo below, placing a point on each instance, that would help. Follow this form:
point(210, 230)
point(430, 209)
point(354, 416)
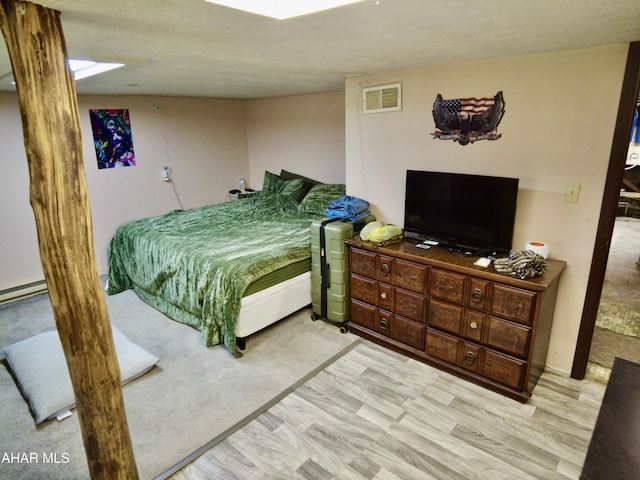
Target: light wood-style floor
point(377, 415)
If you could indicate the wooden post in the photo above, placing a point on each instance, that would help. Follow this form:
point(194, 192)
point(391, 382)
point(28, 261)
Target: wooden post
point(58, 196)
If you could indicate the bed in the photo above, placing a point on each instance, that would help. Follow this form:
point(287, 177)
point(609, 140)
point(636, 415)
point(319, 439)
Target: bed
point(228, 269)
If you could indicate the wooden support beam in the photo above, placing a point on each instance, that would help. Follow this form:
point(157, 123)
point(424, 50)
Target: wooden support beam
point(58, 196)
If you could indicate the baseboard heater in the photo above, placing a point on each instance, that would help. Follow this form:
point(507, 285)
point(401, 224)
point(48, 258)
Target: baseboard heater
point(21, 291)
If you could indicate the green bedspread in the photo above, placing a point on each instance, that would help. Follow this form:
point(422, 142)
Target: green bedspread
point(194, 265)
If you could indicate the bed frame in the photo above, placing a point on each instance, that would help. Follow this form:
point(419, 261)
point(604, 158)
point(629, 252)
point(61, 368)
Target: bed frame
point(267, 306)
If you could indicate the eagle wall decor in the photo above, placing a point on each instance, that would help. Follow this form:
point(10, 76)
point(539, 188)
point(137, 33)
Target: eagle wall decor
point(466, 120)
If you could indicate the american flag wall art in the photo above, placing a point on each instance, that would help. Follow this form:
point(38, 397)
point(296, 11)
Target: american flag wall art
point(467, 120)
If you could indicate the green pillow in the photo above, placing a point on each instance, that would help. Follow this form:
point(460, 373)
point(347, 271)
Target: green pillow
point(317, 200)
point(286, 175)
point(294, 189)
point(271, 183)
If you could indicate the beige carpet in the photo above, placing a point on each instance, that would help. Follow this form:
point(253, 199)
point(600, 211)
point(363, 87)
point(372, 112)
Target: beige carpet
point(617, 332)
point(194, 395)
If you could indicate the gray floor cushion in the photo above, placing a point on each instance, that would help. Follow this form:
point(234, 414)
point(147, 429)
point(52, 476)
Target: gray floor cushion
point(40, 369)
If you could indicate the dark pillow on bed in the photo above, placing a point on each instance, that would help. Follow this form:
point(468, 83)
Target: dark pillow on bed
point(272, 183)
point(295, 189)
point(286, 175)
point(319, 197)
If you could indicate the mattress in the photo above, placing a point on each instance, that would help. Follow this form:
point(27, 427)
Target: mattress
point(280, 275)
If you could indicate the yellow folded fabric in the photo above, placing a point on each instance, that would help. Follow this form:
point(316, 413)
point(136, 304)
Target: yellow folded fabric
point(379, 232)
point(385, 233)
point(368, 228)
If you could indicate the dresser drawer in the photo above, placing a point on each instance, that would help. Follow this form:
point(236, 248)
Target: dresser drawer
point(401, 329)
point(364, 289)
point(442, 346)
point(385, 267)
point(512, 303)
point(410, 276)
point(503, 369)
point(363, 263)
point(445, 316)
point(363, 314)
point(473, 325)
point(470, 357)
point(410, 305)
point(386, 296)
point(477, 294)
point(446, 285)
point(507, 336)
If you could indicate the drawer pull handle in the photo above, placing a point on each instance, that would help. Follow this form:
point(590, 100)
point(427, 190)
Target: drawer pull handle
point(473, 325)
point(476, 295)
point(384, 269)
point(383, 295)
point(384, 324)
point(469, 358)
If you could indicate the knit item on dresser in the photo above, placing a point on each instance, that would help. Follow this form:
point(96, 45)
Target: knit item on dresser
point(522, 264)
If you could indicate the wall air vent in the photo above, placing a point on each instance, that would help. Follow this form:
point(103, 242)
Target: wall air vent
point(383, 98)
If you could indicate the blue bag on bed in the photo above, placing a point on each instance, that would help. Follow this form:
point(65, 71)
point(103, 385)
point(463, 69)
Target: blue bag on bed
point(348, 208)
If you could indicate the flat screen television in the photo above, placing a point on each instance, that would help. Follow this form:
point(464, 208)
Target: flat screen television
point(474, 214)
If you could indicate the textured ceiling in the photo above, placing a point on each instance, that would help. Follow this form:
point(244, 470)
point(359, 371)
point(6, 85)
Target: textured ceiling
point(194, 48)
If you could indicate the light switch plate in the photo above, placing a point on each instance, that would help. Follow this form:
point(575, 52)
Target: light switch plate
point(572, 193)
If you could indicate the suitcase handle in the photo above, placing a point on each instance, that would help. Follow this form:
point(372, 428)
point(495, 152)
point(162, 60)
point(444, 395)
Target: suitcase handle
point(327, 277)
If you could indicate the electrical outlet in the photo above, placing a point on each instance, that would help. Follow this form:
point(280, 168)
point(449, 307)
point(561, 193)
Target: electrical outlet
point(166, 174)
point(572, 193)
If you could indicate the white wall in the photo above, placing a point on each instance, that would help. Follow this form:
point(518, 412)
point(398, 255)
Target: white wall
point(557, 129)
point(302, 134)
point(19, 257)
point(202, 140)
point(208, 143)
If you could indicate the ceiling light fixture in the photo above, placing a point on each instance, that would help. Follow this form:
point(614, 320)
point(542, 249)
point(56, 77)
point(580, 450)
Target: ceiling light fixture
point(86, 68)
point(80, 68)
point(282, 9)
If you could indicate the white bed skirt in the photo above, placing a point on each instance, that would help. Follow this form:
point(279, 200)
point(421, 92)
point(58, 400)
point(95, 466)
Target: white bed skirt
point(267, 306)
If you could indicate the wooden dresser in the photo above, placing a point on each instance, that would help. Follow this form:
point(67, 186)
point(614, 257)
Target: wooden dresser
point(439, 308)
